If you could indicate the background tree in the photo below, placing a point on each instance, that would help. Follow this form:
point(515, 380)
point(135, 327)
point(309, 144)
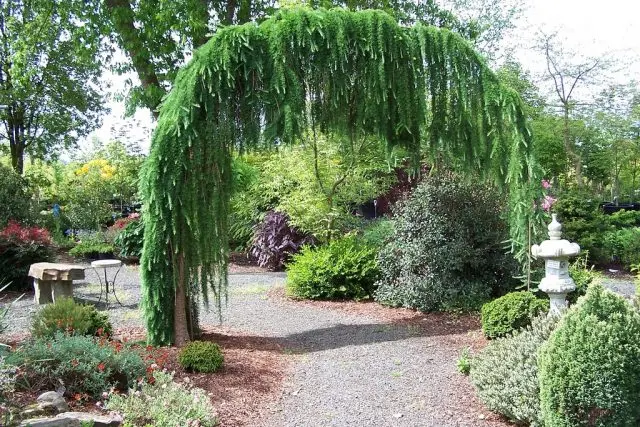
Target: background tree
point(49, 75)
point(568, 72)
point(157, 36)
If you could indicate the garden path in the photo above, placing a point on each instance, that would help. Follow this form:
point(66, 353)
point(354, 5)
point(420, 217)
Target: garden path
point(354, 364)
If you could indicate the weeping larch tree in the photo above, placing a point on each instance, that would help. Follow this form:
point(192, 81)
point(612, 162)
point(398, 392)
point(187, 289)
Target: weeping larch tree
point(252, 86)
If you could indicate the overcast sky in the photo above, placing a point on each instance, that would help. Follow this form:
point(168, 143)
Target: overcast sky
point(587, 27)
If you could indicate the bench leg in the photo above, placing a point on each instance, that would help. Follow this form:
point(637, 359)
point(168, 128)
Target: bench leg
point(62, 289)
point(42, 291)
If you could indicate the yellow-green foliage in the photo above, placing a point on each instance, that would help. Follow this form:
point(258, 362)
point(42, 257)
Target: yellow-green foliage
point(349, 73)
point(201, 356)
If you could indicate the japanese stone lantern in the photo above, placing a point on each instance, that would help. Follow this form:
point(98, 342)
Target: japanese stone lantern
point(556, 252)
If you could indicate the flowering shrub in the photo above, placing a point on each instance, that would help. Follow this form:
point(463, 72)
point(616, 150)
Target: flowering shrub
point(20, 247)
point(83, 364)
point(164, 403)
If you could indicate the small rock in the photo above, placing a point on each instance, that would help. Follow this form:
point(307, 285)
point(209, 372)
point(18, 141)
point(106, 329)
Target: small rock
point(111, 420)
point(50, 422)
point(397, 415)
point(55, 399)
point(481, 417)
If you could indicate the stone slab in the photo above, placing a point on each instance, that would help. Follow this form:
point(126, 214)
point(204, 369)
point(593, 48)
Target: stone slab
point(54, 271)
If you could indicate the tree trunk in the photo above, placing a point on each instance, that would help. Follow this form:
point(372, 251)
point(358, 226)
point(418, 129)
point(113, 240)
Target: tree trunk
point(123, 18)
point(16, 145)
point(180, 324)
point(571, 153)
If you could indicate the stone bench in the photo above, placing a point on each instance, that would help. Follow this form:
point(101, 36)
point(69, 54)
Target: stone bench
point(52, 281)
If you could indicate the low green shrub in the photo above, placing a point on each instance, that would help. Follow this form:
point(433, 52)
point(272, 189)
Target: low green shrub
point(511, 312)
point(66, 316)
point(378, 232)
point(83, 364)
point(129, 241)
point(463, 364)
point(343, 269)
point(164, 403)
point(92, 248)
point(201, 356)
point(583, 275)
point(589, 370)
point(505, 373)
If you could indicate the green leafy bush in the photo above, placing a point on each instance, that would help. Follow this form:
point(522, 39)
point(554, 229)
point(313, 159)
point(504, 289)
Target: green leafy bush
point(589, 370)
point(505, 373)
point(164, 403)
point(66, 316)
point(130, 240)
point(201, 356)
point(343, 269)
point(447, 251)
point(21, 246)
point(84, 364)
point(583, 276)
point(92, 247)
point(15, 198)
point(511, 312)
point(378, 232)
point(623, 245)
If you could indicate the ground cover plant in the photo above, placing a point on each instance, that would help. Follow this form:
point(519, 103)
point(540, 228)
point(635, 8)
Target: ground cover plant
point(164, 403)
point(84, 364)
point(447, 251)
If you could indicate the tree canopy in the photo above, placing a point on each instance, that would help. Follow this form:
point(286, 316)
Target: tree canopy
point(250, 86)
point(49, 86)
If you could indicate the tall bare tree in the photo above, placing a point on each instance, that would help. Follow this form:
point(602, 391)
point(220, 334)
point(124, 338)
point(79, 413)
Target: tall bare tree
point(568, 71)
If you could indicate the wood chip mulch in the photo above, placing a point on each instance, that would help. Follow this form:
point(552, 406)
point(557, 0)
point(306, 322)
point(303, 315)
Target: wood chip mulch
point(250, 381)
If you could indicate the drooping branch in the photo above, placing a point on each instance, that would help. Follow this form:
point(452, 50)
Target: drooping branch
point(345, 72)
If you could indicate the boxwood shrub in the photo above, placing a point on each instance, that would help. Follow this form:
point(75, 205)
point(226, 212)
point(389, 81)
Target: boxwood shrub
point(589, 370)
point(511, 312)
point(344, 269)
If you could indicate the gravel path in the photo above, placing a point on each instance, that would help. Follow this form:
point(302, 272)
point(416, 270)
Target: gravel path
point(350, 369)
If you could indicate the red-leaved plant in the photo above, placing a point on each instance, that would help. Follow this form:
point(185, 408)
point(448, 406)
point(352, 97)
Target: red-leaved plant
point(21, 246)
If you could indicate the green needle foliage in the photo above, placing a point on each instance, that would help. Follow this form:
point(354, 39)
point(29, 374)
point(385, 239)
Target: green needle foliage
point(252, 86)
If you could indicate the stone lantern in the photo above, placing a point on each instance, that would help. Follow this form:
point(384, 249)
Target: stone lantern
point(556, 252)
